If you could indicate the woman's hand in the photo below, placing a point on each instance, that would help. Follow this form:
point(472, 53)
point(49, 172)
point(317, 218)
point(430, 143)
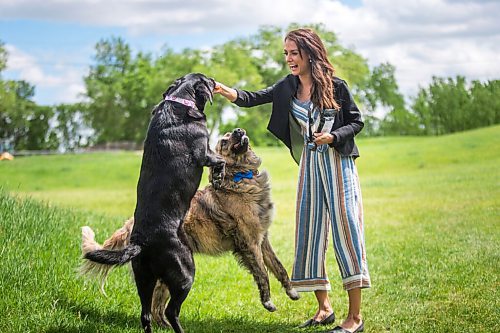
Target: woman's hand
point(225, 91)
point(218, 87)
point(322, 138)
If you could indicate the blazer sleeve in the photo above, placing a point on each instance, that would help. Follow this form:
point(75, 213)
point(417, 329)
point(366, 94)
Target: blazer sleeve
point(351, 117)
point(252, 98)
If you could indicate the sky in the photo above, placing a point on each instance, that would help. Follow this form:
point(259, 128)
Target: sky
point(51, 42)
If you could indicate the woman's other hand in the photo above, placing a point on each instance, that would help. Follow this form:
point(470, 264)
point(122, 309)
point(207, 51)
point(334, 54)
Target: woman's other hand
point(322, 138)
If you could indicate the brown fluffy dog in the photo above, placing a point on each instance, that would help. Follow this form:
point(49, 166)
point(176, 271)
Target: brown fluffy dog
point(234, 218)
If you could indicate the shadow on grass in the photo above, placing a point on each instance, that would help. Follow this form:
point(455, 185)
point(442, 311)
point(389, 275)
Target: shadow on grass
point(235, 325)
point(90, 318)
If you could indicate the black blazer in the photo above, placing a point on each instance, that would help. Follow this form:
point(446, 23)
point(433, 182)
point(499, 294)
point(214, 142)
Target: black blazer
point(347, 123)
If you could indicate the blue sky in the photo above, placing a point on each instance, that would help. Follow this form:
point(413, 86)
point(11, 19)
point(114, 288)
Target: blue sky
point(51, 43)
point(67, 47)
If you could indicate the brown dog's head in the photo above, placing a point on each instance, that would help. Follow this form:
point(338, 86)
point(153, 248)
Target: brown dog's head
point(234, 147)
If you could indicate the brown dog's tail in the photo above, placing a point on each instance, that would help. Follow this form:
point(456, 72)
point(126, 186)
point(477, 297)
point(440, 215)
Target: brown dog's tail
point(114, 251)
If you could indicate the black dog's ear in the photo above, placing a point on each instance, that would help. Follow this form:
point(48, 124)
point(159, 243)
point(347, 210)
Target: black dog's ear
point(172, 87)
point(210, 89)
point(169, 89)
point(193, 113)
point(203, 90)
point(157, 107)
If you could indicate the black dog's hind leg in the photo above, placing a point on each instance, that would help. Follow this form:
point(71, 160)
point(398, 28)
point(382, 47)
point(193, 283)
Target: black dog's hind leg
point(274, 265)
point(145, 283)
point(178, 275)
point(177, 297)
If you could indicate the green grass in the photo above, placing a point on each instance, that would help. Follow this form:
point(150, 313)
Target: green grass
point(432, 219)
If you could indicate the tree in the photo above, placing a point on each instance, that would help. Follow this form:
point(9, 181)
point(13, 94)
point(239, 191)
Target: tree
point(421, 108)
point(17, 109)
point(229, 63)
point(123, 89)
point(452, 105)
point(3, 57)
point(7, 102)
point(485, 103)
point(107, 109)
point(39, 134)
point(72, 131)
point(383, 92)
point(24, 124)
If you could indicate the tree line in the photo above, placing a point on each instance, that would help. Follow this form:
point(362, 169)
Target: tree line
point(121, 88)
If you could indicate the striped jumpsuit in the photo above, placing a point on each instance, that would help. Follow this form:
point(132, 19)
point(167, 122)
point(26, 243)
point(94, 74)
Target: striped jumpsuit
point(328, 191)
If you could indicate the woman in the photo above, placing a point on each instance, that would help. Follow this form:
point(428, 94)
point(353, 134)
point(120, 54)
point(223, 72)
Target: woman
point(314, 115)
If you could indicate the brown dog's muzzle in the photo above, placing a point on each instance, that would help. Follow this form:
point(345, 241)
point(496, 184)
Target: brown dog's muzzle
point(240, 141)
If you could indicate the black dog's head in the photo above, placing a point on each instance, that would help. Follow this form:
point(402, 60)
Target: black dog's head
point(194, 87)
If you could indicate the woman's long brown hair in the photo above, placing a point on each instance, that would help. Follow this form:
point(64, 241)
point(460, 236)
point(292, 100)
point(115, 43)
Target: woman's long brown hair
point(322, 90)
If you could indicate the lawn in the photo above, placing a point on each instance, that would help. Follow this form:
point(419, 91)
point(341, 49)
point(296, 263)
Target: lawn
point(432, 221)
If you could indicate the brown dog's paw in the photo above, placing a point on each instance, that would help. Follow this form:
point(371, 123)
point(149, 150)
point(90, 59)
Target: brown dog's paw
point(293, 294)
point(269, 305)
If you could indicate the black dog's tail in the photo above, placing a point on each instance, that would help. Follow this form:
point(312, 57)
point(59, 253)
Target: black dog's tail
point(109, 257)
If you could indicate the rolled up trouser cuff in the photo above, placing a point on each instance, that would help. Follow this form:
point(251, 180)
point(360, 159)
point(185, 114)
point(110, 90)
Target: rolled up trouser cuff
point(356, 281)
point(310, 285)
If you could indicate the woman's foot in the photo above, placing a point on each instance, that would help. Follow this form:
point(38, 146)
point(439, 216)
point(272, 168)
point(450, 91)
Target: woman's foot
point(322, 317)
point(353, 324)
point(340, 329)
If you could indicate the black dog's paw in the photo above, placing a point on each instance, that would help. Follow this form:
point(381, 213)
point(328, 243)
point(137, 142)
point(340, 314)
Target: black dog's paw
point(218, 173)
point(217, 184)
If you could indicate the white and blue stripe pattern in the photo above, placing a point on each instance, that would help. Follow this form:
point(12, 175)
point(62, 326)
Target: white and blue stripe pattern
point(300, 112)
point(328, 192)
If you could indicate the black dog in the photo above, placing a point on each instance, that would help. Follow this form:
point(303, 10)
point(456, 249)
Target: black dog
point(175, 151)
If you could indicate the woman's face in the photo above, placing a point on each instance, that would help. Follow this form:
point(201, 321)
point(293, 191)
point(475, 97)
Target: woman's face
point(298, 64)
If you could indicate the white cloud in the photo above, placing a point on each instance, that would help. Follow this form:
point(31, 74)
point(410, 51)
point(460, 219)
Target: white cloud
point(64, 81)
point(146, 16)
point(421, 38)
